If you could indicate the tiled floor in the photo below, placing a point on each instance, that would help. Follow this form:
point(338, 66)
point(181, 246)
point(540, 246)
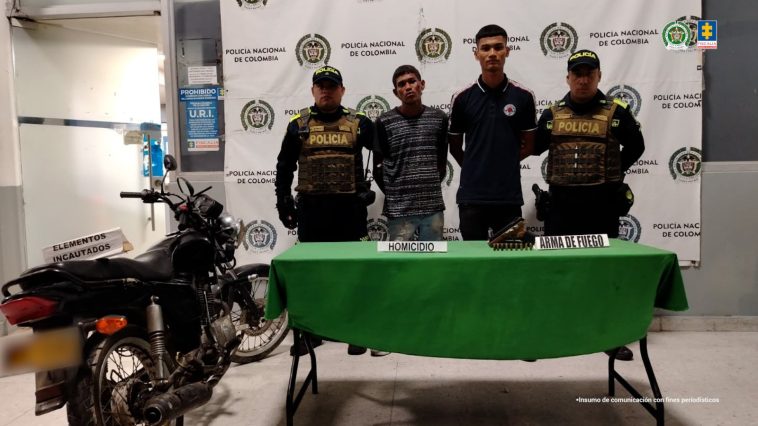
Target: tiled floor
point(408, 390)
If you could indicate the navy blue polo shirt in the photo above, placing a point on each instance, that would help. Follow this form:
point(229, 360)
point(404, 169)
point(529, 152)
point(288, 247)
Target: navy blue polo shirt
point(492, 120)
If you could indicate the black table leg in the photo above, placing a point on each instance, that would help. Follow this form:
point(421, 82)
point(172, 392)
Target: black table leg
point(657, 410)
point(310, 380)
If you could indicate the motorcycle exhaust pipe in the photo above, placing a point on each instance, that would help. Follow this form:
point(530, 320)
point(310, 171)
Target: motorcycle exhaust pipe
point(166, 407)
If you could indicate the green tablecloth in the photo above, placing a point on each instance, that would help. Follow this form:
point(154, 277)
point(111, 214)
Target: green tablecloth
point(473, 302)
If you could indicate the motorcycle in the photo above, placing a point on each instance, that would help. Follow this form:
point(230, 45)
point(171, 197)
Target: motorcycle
point(144, 340)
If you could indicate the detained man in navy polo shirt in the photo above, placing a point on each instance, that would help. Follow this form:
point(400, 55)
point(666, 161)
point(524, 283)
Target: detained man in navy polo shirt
point(498, 118)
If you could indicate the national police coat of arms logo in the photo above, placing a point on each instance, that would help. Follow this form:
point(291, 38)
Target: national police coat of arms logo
point(686, 164)
point(373, 106)
point(627, 94)
point(558, 40)
point(252, 4)
point(313, 51)
point(378, 229)
point(257, 116)
point(543, 169)
point(260, 236)
point(629, 228)
point(450, 172)
point(676, 36)
point(433, 45)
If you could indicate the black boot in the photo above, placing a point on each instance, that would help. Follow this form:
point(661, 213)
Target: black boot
point(623, 354)
point(301, 349)
point(355, 350)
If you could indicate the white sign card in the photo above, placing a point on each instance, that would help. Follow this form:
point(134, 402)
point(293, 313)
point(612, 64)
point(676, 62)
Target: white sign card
point(412, 246)
point(93, 246)
point(571, 242)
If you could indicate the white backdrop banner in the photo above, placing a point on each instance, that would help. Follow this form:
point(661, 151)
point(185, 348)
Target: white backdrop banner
point(271, 48)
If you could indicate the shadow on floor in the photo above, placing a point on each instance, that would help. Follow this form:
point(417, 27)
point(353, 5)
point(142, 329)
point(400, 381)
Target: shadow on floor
point(445, 402)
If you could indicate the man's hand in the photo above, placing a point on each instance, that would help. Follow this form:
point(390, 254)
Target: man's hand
point(285, 205)
point(456, 147)
point(527, 144)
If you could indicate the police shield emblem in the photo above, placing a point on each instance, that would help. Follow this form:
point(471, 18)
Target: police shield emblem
point(558, 40)
point(685, 164)
point(313, 51)
point(260, 236)
point(627, 94)
point(677, 36)
point(251, 4)
point(257, 116)
point(373, 106)
point(629, 228)
point(433, 45)
point(378, 229)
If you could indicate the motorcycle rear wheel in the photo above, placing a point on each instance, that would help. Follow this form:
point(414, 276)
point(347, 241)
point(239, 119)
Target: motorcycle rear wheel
point(117, 368)
point(259, 335)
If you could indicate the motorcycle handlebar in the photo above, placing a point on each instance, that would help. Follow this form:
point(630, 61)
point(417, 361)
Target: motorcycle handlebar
point(128, 194)
point(184, 221)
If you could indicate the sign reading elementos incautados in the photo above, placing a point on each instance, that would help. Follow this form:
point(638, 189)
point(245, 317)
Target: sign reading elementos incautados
point(100, 244)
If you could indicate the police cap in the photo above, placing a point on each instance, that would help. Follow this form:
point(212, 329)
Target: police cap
point(583, 57)
point(327, 73)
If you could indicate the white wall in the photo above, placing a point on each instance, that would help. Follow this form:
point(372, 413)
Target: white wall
point(72, 175)
point(12, 256)
point(9, 154)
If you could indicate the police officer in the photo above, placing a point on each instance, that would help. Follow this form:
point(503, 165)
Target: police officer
point(591, 141)
point(325, 142)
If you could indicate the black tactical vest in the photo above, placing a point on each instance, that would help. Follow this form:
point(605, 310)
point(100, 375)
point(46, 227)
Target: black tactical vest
point(583, 150)
point(327, 159)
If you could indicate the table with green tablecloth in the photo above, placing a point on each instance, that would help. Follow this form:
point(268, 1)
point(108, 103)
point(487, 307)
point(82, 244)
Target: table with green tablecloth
point(474, 302)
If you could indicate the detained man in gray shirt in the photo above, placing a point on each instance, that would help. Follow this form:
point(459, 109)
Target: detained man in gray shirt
point(411, 160)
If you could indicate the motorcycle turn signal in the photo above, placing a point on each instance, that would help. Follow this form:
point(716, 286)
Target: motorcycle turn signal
point(110, 324)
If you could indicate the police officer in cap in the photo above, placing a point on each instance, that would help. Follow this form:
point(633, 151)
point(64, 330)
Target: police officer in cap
point(591, 141)
point(325, 143)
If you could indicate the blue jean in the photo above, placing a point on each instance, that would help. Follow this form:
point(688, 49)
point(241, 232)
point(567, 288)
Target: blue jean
point(428, 226)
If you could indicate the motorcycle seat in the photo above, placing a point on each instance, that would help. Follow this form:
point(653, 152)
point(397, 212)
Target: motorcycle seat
point(152, 265)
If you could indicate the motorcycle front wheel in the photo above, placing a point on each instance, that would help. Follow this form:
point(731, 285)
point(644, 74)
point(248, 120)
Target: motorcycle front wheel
point(259, 335)
point(118, 369)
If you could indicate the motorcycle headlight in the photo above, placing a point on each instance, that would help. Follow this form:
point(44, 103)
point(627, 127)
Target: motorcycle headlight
point(234, 226)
